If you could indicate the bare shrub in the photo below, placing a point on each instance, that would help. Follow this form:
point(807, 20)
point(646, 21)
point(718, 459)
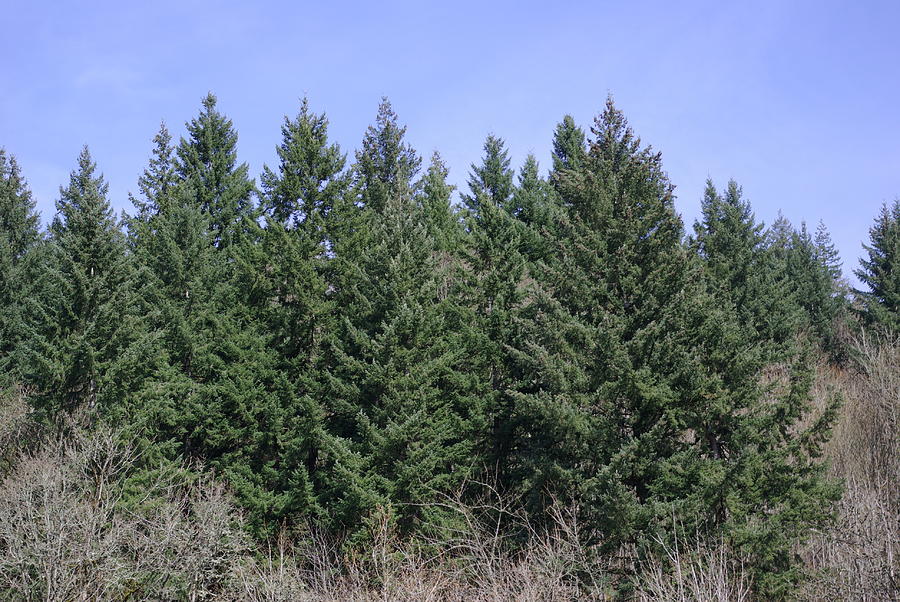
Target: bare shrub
point(65, 536)
point(19, 432)
point(466, 557)
point(858, 558)
point(698, 573)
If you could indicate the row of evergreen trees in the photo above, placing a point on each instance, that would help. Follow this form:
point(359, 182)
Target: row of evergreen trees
point(344, 341)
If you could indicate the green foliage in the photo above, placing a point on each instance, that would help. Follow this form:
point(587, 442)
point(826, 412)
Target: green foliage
point(815, 271)
point(308, 183)
point(355, 350)
point(569, 148)
point(385, 165)
point(879, 270)
point(495, 293)
point(18, 234)
point(82, 328)
point(207, 167)
point(747, 270)
point(492, 181)
point(399, 395)
point(536, 205)
point(157, 186)
point(668, 421)
point(435, 198)
point(399, 405)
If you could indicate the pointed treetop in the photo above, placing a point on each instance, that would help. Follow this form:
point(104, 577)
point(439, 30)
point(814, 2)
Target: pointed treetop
point(308, 181)
point(158, 180)
point(435, 195)
point(19, 222)
point(614, 140)
point(880, 269)
point(85, 196)
point(214, 182)
point(826, 253)
point(530, 199)
point(386, 164)
point(492, 181)
point(569, 147)
point(85, 225)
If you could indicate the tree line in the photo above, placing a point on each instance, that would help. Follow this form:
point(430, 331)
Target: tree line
point(344, 342)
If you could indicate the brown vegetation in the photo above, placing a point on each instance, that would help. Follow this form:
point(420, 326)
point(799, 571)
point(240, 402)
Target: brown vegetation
point(72, 527)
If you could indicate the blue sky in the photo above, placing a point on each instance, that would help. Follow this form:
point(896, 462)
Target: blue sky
point(798, 101)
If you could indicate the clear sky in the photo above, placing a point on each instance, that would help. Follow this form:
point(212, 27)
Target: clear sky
point(798, 101)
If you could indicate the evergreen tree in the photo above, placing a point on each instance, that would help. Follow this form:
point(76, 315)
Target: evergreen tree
point(219, 396)
point(289, 283)
point(207, 166)
point(19, 222)
point(434, 197)
point(284, 279)
point(827, 255)
point(665, 421)
point(385, 165)
point(879, 270)
point(569, 147)
point(492, 181)
point(401, 412)
point(19, 234)
point(157, 186)
point(83, 338)
point(756, 280)
point(535, 206)
point(814, 268)
point(495, 292)
point(308, 182)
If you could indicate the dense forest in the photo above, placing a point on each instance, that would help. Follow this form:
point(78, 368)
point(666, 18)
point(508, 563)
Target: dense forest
point(342, 380)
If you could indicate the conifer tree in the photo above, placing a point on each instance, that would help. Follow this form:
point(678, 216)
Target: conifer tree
point(156, 185)
point(495, 292)
point(284, 280)
point(827, 255)
point(492, 181)
point(814, 269)
point(400, 397)
point(434, 197)
point(732, 247)
point(207, 166)
point(19, 234)
point(385, 165)
point(666, 420)
point(399, 411)
point(219, 396)
point(19, 227)
point(569, 147)
point(880, 270)
point(289, 275)
point(535, 205)
point(82, 327)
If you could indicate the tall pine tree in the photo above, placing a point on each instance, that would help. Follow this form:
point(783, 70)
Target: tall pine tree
point(880, 270)
point(435, 198)
point(83, 334)
point(732, 247)
point(207, 167)
point(399, 406)
point(666, 420)
point(157, 186)
point(19, 233)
